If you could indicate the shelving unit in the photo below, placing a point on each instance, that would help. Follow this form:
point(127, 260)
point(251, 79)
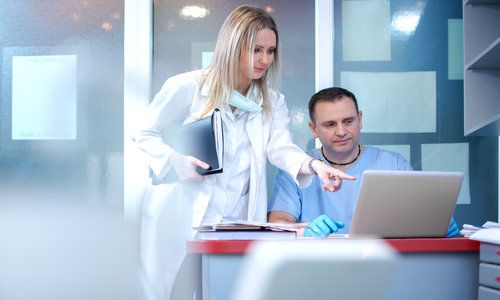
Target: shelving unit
point(481, 67)
point(488, 59)
point(489, 272)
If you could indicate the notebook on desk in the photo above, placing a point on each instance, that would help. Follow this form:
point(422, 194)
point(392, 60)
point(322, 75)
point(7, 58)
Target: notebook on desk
point(405, 204)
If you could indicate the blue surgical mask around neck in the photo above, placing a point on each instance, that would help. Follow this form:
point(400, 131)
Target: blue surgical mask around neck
point(242, 102)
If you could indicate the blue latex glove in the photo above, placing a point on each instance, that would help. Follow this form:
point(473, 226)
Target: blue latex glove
point(453, 228)
point(322, 226)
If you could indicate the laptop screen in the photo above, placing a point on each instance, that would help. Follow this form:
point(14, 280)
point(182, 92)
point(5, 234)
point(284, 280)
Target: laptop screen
point(399, 204)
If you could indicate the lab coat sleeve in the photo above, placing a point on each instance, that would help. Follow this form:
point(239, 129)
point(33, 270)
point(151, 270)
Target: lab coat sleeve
point(280, 150)
point(167, 111)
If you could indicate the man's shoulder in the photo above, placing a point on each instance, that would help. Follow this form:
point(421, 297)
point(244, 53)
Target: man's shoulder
point(376, 151)
point(383, 158)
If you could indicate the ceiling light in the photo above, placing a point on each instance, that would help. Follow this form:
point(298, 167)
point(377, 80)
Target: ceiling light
point(192, 12)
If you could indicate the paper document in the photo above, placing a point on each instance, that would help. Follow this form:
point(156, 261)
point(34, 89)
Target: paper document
point(490, 224)
point(489, 232)
point(249, 225)
point(468, 230)
point(489, 235)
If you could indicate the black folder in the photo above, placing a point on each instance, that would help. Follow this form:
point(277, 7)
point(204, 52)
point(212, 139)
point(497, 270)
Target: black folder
point(202, 139)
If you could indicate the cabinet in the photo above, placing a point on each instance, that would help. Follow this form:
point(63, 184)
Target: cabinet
point(481, 20)
point(489, 272)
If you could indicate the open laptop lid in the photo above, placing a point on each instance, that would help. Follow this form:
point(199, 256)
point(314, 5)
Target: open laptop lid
point(398, 204)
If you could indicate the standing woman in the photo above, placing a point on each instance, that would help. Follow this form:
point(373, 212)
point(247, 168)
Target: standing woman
point(255, 124)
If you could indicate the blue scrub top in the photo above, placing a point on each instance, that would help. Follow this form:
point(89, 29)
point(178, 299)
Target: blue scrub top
point(308, 203)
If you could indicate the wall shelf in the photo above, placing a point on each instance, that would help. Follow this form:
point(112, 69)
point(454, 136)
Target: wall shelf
point(481, 67)
point(482, 2)
point(488, 59)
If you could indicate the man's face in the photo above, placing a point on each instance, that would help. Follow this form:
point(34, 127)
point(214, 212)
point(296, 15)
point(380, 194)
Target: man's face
point(337, 125)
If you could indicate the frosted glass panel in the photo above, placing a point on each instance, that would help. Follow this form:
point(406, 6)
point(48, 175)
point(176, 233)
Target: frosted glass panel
point(366, 40)
point(394, 102)
point(61, 152)
point(61, 100)
point(44, 97)
point(455, 49)
point(451, 158)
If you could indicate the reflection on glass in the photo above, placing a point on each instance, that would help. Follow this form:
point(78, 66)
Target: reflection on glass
point(107, 26)
point(191, 12)
point(405, 21)
point(269, 9)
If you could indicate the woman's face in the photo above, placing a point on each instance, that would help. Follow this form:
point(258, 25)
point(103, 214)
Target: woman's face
point(263, 56)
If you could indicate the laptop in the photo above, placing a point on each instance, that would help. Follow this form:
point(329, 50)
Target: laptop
point(405, 204)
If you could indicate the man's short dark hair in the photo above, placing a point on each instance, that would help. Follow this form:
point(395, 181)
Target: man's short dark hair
point(330, 94)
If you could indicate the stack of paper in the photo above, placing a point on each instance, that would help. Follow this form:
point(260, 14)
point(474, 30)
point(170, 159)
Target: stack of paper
point(468, 230)
point(489, 232)
point(245, 230)
point(249, 225)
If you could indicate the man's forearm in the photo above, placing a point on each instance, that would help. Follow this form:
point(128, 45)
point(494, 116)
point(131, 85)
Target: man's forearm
point(280, 217)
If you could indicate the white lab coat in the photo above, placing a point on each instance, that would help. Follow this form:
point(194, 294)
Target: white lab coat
point(170, 210)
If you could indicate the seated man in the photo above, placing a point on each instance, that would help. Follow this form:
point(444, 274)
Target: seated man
point(336, 121)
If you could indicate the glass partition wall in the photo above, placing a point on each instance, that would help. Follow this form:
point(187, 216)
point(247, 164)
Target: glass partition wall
point(404, 61)
point(61, 102)
point(62, 152)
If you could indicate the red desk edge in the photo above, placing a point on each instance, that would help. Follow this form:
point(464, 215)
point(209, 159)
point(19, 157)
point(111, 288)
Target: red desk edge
point(401, 245)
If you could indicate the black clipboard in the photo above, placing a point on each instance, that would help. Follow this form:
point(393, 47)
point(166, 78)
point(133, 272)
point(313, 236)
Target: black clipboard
point(203, 139)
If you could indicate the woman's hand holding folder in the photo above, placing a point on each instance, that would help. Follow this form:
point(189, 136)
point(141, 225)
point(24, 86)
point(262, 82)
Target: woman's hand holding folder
point(185, 167)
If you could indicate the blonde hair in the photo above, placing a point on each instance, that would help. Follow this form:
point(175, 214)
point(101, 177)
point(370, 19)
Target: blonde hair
point(238, 34)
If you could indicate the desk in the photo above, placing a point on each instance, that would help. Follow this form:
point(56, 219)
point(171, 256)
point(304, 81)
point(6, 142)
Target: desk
point(428, 269)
